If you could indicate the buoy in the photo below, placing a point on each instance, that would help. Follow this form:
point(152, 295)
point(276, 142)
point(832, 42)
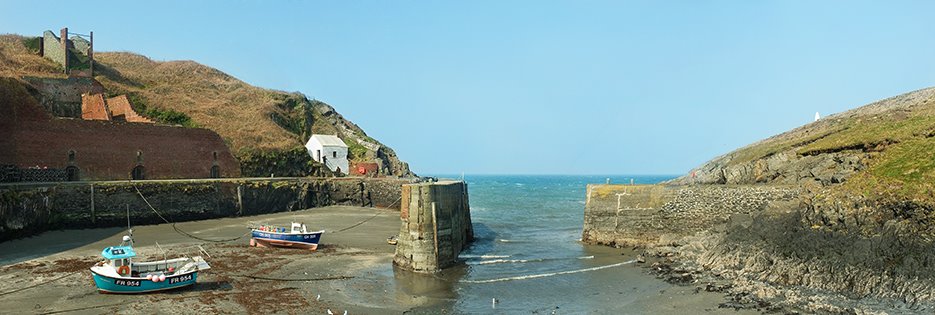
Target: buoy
point(149, 277)
point(162, 278)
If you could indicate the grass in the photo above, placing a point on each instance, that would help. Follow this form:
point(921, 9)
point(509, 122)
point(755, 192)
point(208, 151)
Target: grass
point(33, 44)
point(355, 151)
point(869, 133)
point(248, 118)
point(165, 116)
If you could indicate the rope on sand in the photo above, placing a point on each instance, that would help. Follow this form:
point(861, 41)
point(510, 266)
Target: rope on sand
point(301, 279)
point(367, 219)
point(180, 231)
point(38, 284)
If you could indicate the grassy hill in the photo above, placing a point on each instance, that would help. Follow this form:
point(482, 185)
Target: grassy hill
point(889, 145)
point(266, 129)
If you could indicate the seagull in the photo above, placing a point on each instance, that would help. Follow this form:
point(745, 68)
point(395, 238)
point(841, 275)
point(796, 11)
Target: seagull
point(329, 312)
point(345, 312)
point(318, 298)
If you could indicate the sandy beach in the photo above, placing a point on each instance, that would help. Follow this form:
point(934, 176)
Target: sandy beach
point(352, 270)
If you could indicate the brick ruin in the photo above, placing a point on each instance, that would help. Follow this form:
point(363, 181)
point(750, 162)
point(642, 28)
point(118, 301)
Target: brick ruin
point(365, 169)
point(117, 108)
point(112, 149)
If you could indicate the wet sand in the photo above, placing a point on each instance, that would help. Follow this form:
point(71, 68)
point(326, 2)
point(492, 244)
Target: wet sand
point(352, 270)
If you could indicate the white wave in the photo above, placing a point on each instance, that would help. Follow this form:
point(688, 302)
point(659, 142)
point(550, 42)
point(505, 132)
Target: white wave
point(543, 275)
point(502, 261)
point(519, 261)
point(510, 241)
point(484, 256)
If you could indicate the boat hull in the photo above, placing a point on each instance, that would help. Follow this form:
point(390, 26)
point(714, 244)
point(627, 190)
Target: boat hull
point(141, 285)
point(307, 241)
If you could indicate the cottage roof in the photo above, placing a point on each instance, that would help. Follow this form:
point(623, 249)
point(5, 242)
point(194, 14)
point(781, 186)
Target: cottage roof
point(328, 141)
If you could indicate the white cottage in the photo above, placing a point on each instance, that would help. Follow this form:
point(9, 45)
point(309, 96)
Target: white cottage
point(329, 150)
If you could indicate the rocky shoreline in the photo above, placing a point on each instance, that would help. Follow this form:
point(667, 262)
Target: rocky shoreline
point(774, 264)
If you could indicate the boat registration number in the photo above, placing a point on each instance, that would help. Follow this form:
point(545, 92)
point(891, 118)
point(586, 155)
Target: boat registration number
point(127, 283)
point(178, 279)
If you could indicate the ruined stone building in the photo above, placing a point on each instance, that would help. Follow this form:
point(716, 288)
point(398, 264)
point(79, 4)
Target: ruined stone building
point(74, 54)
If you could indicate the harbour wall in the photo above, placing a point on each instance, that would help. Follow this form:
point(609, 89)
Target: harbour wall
point(28, 209)
point(436, 225)
point(646, 215)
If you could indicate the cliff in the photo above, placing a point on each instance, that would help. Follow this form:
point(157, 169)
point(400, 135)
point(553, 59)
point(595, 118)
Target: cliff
point(266, 129)
point(857, 237)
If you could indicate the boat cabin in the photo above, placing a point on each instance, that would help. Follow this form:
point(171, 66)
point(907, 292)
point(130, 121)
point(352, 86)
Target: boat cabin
point(119, 256)
point(298, 228)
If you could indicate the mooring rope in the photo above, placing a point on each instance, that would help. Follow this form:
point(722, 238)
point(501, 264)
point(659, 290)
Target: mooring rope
point(39, 284)
point(300, 279)
point(367, 219)
point(180, 231)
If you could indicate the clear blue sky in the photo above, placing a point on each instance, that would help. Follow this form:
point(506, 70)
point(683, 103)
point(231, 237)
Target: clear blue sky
point(538, 87)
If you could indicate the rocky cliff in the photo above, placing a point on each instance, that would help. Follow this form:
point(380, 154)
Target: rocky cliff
point(860, 238)
point(266, 129)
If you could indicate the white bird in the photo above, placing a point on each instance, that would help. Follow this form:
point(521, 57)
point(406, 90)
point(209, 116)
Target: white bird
point(329, 312)
point(318, 298)
point(345, 312)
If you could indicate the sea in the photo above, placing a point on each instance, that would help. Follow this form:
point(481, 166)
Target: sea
point(527, 256)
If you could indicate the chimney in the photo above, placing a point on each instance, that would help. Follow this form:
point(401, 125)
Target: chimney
point(64, 37)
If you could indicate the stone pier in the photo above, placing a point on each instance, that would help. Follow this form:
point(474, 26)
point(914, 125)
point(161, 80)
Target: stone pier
point(641, 215)
point(436, 225)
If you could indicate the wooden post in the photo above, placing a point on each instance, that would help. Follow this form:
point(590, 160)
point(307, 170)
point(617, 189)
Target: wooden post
point(435, 233)
point(91, 54)
point(93, 218)
point(239, 200)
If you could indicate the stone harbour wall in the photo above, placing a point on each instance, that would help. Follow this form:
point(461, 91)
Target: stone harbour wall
point(28, 209)
point(436, 226)
point(642, 215)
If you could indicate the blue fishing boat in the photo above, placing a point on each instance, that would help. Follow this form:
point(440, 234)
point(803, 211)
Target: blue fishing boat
point(118, 273)
point(297, 236)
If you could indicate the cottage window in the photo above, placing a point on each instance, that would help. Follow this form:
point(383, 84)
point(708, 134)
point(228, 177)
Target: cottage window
point(334, 154)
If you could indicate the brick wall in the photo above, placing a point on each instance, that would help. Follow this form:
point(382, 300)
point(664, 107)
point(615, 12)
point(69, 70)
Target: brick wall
point(93, 107)
point(104, 150)
point(364, 169)
point(120, 109)
point(109, 150)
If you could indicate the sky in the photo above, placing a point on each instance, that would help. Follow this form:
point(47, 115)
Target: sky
point(537, 87)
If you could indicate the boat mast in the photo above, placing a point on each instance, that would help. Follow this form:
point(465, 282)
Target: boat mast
point(129, 230)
